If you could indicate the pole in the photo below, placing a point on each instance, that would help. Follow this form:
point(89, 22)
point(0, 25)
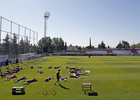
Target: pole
point(46, 16)
point(0, 27)
point(30, 40)
point(24, 39)
point(11, 41)
point(45, 27)
point(36, 41)
point(45, 35)
point(18, 39)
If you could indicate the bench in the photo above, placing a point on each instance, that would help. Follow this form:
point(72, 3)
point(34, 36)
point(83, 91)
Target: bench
point(86, 87)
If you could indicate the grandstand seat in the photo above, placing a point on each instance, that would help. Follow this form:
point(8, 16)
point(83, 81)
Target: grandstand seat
point(96, 52)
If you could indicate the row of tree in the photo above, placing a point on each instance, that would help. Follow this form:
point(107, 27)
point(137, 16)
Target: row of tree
point(135, 46)
point(51, 45)
point(121, 45)
point(14, 47)
point(102, 45)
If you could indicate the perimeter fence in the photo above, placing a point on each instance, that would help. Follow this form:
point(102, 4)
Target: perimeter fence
point(16, 41)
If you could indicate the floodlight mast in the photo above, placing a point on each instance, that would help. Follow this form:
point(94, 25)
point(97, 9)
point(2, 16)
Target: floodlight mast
point(46, 16)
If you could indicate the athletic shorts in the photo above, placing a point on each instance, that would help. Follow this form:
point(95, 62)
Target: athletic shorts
point(58, 78)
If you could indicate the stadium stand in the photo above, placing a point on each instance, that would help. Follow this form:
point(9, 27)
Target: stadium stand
point(138, 51)
point(122, 52)
point(134, 51)
point(96, 52)
point(110, 52)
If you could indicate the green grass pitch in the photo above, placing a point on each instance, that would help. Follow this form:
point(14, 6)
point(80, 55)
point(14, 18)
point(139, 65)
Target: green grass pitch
point(112, 78)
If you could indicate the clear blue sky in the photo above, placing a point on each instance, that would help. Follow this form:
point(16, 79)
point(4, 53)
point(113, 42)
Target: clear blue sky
point(77, 20)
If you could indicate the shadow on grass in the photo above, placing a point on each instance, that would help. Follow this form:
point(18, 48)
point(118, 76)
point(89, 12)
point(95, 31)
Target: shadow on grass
point(64, 87)
point(26, 83)
point(91, 93)
point(18, 93)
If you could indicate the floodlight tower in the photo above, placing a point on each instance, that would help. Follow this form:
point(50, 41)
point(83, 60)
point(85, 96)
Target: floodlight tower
point(46, 16)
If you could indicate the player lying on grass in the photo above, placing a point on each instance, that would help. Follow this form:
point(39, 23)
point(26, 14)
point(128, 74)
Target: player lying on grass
point(78, 69)
point(49, 67)
point(9, 78)
point(39, 67)
point(78, 74)
point(30, 81)
point(57, 67)
point(2, 75)
point(74, 68)
point(13, 71)
point(71, 68)
point(40, 72)
point(20, 79)
point(73, 71)
point(17, 69)
point(48, 79)
point(31, 67)
point(74, 76)
point(62, 79)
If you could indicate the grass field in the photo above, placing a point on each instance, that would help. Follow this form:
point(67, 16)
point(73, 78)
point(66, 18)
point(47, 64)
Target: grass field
point(112, 78)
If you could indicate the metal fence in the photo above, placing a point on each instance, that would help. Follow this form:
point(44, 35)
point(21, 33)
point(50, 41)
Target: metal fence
point(16, 39)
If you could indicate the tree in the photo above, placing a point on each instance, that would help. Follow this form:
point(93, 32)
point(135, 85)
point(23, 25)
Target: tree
point(49, 44)
point(58, 44)
point(65, 46)
point(119, 45)
point(124, 45)
point(108, 46)
point(45, 44)
point(102, 45)
point(79, 48)
point(135, 46)
point(6, 44)
point(33, 48)
point(40, 46)
point(88, 47)
point(14, 45)
point(53, 45)
point(26, 45)
point(1, 47)
point(99, 46)
point(21, 46)
point(61, 44)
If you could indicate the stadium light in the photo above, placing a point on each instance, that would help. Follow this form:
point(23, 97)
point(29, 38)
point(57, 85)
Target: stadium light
point(46, 16)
